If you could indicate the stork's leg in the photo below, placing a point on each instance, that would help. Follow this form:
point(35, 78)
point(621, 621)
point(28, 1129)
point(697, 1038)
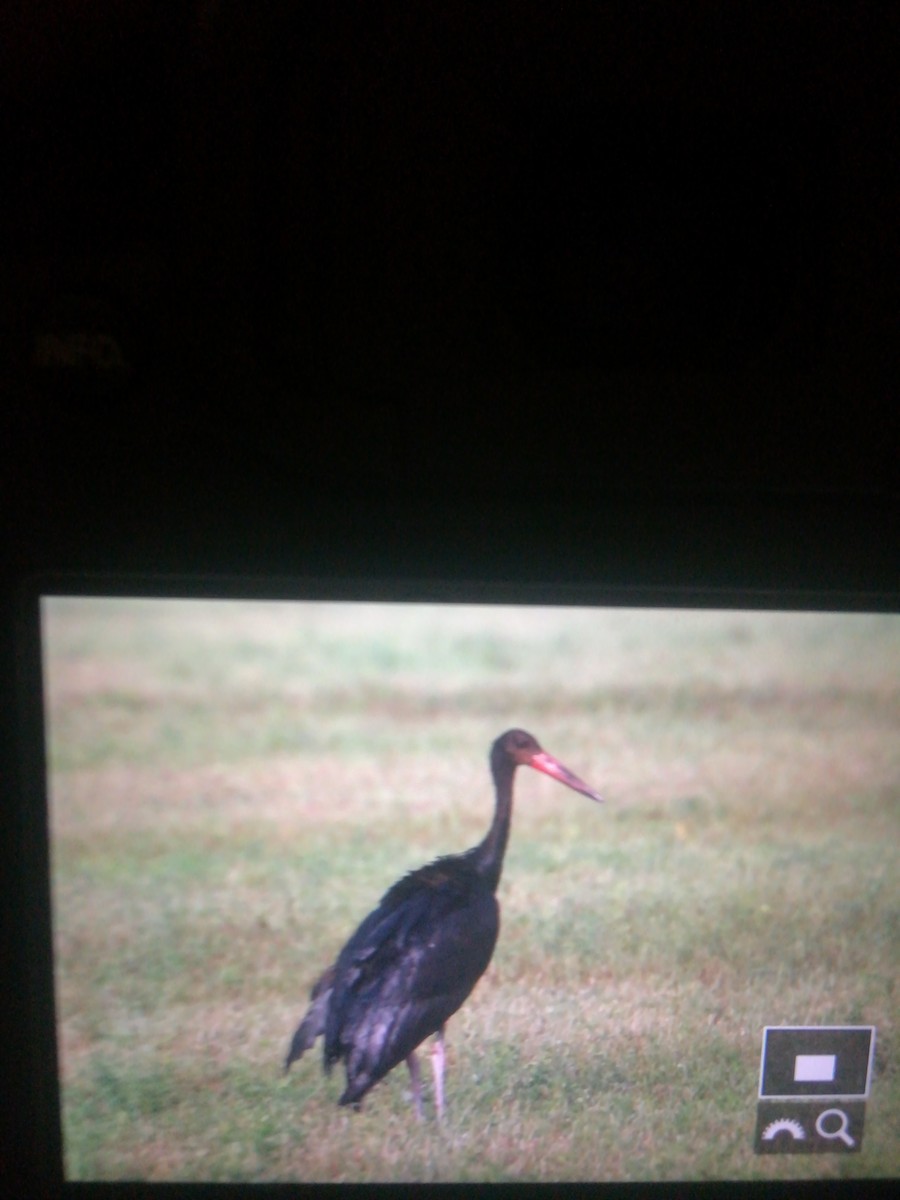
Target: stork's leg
point(437, 1066)
point(415, 1078)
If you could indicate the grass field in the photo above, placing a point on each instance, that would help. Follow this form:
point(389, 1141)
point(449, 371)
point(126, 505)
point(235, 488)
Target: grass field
point(233, 786)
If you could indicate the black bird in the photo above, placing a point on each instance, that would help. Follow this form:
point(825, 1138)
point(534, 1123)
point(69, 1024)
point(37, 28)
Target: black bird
point(415, 959)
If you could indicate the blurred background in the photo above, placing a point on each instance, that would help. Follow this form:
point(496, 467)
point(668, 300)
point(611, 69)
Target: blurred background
point(233, 785)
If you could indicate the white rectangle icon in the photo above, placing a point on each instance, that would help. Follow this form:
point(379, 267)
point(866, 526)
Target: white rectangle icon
point(814, 1068)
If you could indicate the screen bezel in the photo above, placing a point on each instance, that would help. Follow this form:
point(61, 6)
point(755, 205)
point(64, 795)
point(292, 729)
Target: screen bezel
point(39, 1035)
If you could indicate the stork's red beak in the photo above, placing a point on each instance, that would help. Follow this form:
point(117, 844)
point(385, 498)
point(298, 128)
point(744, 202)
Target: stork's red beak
point(542, 761)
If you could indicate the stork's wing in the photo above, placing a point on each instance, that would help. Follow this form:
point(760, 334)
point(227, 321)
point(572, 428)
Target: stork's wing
point(406, 970)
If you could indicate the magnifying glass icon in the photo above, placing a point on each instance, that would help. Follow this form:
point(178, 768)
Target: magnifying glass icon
point(843, 1129)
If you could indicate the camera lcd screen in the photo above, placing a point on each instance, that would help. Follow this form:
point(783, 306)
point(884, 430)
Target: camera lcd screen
point(234, 785)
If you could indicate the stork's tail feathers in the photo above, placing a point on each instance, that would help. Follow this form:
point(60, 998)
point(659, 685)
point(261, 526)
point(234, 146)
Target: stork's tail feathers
point(313, 1024)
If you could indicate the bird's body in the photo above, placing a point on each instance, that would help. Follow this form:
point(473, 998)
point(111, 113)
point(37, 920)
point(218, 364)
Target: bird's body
point(416, 958)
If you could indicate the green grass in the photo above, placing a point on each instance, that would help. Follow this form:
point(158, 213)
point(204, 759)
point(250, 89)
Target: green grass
point(233, 786)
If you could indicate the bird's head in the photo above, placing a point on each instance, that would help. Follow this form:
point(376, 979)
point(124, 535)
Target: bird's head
point(516, 748)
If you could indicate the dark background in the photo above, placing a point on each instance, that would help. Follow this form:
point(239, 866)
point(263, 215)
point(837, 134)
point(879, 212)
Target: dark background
point(602, 294)
point(631, 264)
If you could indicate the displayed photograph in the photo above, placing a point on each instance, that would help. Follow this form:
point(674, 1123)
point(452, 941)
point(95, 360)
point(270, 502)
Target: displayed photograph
point(480, 893)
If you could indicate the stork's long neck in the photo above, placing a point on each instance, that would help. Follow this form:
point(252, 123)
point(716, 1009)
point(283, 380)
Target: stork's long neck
point(487, 856)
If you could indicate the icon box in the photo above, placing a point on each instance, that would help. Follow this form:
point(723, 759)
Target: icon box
point(809, 1127)
point(828, 1062)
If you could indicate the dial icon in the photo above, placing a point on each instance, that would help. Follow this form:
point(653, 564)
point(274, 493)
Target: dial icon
point(785, 1125)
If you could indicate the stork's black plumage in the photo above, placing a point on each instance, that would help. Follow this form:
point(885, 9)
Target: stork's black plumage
point(415, 959)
